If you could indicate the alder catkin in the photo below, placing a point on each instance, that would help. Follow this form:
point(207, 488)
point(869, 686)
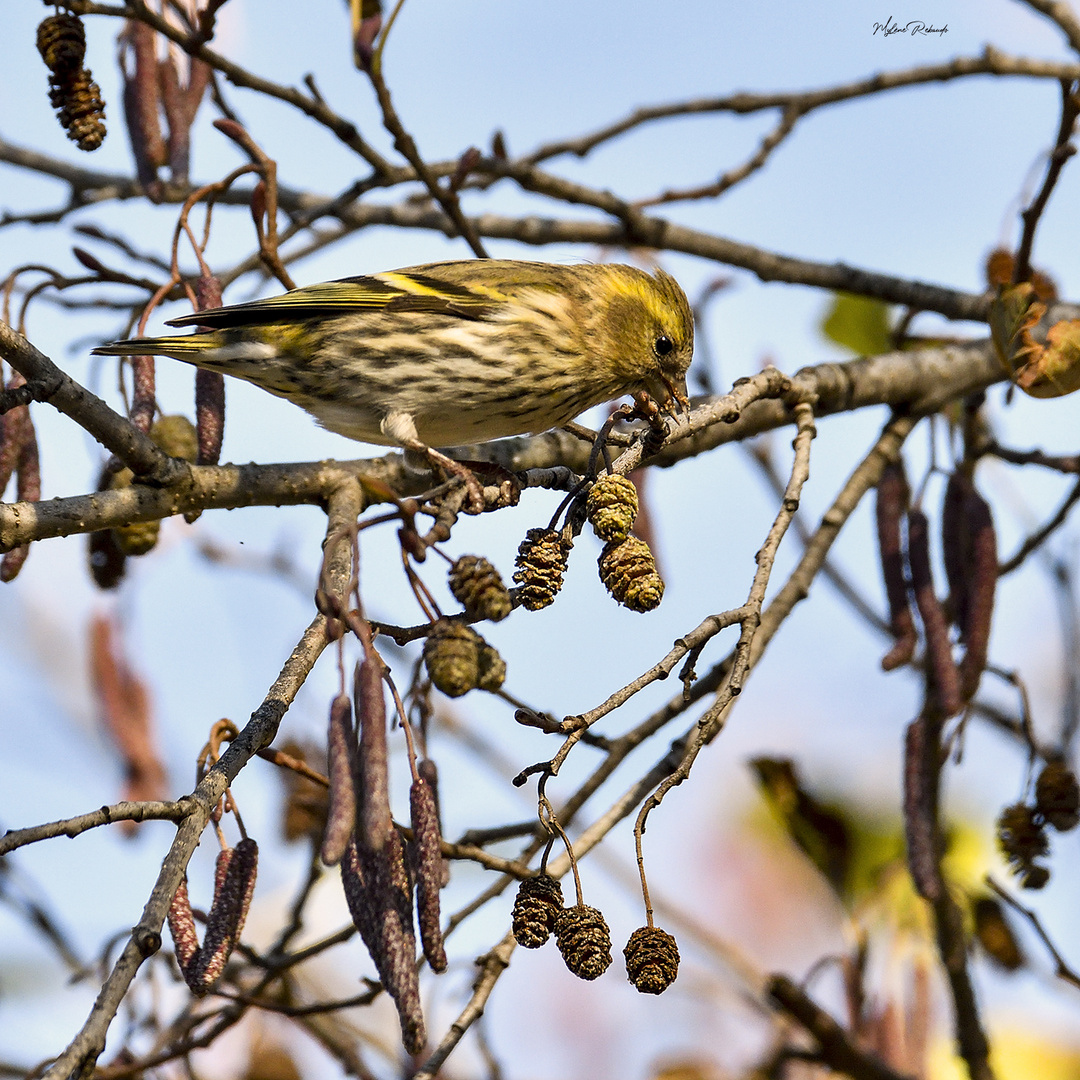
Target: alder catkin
point(893, 496)
point(373, 819)
point(944, 672)
point(341, 767)
point(980, 589)
point(427, 862)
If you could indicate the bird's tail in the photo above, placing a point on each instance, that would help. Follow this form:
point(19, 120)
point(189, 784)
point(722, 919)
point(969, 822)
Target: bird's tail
point(179, 347)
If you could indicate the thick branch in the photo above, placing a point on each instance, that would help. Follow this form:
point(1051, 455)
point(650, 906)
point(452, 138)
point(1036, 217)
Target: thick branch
point(918, 382)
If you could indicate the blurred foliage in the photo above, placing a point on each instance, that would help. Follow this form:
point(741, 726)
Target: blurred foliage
point(859, 324)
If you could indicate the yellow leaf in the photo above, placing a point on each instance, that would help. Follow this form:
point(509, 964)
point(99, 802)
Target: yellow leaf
point(1017, 1055)
point(1055, 370)
point(859, 324)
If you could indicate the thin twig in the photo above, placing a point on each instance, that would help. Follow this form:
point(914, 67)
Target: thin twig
point(1063, 150)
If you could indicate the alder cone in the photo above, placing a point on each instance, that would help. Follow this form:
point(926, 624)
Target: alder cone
point(541, 561)
point(584, 940)
point(652, 959)
point(479, 588)
point(537, 905)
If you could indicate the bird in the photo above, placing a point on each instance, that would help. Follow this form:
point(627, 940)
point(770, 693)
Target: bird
point(450, 353)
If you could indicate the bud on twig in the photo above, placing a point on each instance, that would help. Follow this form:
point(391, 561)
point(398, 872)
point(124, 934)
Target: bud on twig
point(995, 935)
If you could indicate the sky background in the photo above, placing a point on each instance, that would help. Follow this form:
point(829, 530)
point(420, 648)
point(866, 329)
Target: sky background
point(921, 183)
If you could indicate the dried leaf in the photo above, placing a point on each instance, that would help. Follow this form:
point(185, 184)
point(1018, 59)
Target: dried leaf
point(124, 702)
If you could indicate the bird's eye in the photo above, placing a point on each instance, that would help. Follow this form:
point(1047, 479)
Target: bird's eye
point(663, 345)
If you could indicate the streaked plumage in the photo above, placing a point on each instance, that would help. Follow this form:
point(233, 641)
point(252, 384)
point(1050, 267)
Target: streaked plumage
point(450, 353)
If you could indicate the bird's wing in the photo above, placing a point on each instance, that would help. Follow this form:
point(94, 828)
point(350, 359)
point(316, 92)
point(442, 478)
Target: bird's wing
point(395, 291)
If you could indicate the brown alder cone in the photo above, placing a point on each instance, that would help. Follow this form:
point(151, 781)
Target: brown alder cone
point(1022, 838)
point(479, 588)
point(652, 959)
point(582, 935)
point(628, 571)
point(1057, 796)
point(537, 905)
point(612, 506)
point(541, 560)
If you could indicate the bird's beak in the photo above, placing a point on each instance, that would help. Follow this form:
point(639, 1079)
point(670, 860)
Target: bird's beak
point(669, 394)
point(674, 394)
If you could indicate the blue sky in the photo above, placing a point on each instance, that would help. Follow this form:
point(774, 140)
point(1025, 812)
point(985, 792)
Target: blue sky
point(923, 182)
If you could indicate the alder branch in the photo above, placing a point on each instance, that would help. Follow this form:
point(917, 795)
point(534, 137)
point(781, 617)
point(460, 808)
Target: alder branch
point(836, 1048)
point(1063, 14)
point(784, 127)
point(106, 815)
point(312, 106)
point(49, 383)
point(645, 230)
point(991, 62)
point(919, 381)
point(1061, 968)
point(741, 656)
point(1041, 535)
point(1062, 151)
point(78, 1060)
